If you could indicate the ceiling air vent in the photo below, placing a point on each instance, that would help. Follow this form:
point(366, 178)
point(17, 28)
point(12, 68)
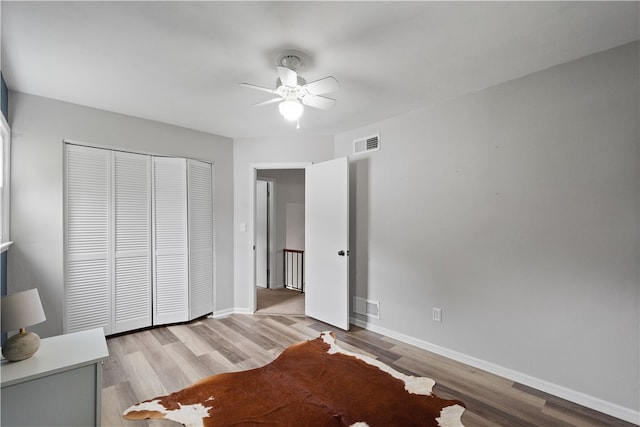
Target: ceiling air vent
point(364, 145)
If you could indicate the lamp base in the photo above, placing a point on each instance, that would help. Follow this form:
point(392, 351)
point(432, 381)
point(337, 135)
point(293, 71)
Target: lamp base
point(21, 346)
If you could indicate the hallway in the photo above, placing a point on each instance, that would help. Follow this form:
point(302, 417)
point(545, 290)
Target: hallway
point(280, 301)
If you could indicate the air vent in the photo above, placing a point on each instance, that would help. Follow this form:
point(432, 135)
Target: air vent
point(364, 145)
point(367, 307)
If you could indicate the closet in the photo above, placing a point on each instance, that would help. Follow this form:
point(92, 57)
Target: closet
point(138, 239)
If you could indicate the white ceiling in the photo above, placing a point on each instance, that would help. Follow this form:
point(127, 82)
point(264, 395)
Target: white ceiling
point(181, 62)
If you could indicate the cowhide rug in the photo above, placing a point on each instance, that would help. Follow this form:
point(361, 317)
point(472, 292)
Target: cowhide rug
point(313, 383)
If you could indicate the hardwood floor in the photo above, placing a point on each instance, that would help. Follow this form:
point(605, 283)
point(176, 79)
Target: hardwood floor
point(279, 301)
point(158, 361)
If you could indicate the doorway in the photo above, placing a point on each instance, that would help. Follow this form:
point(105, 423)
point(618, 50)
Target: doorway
point(326, 230)
point(278, 226)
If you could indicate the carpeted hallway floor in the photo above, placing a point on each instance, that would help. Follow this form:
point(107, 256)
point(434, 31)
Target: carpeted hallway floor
point(280, 301)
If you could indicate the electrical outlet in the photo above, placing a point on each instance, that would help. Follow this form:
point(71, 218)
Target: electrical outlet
point(437, 314)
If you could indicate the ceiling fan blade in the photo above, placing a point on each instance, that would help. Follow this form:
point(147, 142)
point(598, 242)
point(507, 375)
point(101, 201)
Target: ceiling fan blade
point(264, 89)
point(288, 77)
point(317, 101)
point(326, 85)
point(267, 102)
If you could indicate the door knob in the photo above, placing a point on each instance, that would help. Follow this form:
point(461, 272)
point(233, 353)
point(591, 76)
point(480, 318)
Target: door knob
point(342, 253)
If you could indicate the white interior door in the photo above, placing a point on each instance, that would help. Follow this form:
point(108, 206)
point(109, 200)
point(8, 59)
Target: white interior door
point(261, 234)
point(131, 272)
point(87, 218)
point(201, 236)
point(327, 242)
point(171, 264)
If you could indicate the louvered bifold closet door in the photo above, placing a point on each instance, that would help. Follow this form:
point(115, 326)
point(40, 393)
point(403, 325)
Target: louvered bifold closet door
point(171, 292)
point(87, 217)
point(132, 241)
point(200, 238)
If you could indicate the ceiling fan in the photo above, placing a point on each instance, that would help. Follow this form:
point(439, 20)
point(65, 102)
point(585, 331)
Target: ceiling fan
point(293, 92)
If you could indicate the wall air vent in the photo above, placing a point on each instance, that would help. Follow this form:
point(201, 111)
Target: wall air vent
point(364, 145)
point(366, 307)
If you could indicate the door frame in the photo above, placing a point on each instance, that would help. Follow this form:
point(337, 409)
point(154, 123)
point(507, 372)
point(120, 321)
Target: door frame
point(253, 169)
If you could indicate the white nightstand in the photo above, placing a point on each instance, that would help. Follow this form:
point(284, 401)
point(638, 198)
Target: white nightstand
point(61, 385)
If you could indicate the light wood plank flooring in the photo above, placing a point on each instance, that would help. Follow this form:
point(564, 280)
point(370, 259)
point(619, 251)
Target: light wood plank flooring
point(158, 361)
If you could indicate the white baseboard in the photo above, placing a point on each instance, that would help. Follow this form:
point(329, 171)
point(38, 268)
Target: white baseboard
point(591, 402)
point(228, 311)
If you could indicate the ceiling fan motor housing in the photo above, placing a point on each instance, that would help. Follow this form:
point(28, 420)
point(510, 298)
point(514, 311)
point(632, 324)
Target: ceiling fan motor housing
point(301, 82)
point(292, 59)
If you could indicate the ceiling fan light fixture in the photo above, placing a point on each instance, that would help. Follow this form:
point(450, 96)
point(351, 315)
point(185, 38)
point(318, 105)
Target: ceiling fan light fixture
point(292, 92)
point(291, 109)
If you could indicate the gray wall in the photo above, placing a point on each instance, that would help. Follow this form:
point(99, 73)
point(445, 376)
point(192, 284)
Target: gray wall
point(4, 108)
point(261, 151)
point(515, 209)
point(289, 233)
point(39, 126)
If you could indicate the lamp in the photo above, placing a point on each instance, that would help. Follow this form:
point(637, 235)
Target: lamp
point(20, 310)
point(291, 109)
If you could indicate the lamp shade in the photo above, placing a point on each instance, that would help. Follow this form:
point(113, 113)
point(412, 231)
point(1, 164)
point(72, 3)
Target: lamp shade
point(291, 109)
point(21, 309)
